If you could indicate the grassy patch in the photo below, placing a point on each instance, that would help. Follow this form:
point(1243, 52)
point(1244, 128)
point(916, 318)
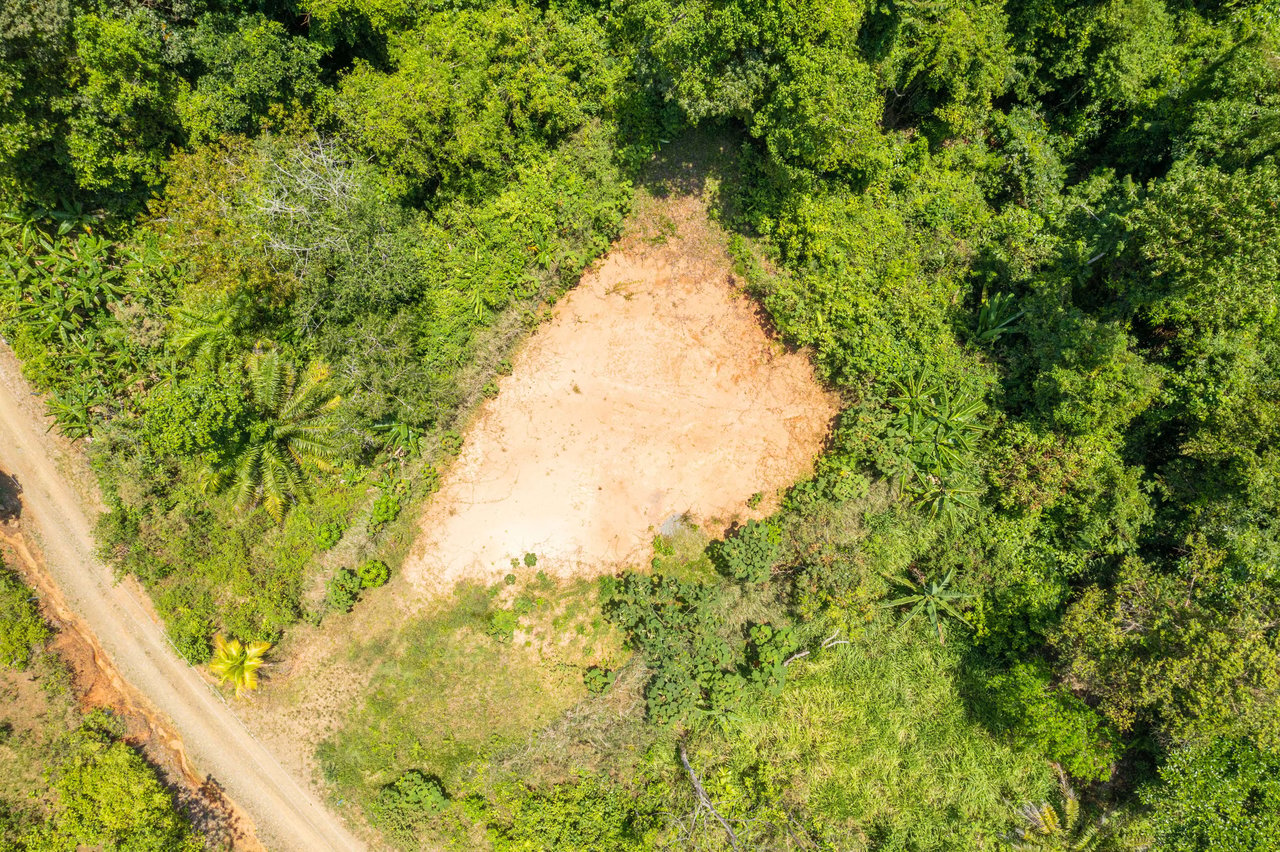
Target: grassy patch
point(872, 741)
point(477, 676)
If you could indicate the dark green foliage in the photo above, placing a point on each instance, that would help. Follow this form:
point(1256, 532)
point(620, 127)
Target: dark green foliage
point(671, 623)
point(251, 72)
point(402, 806)
point(768, 649)
point(935, 598)
point(374, 573)
point(1222, 795)
point(343, 590)
point(22, 630)
point(1054, 722)
point(747, 554)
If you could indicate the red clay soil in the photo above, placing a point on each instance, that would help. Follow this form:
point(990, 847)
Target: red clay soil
point(97, 684)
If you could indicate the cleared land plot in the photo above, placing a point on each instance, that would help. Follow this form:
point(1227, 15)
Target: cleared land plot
point(653, 392)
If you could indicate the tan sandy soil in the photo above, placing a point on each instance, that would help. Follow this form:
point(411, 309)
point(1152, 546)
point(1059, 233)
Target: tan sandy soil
point(653, 392)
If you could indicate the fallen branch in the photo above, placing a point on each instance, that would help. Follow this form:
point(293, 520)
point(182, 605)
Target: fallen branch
point(704, 799)
point(829, 642)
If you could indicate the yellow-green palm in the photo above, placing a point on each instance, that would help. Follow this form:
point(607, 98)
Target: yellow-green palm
point(236, 663)
point(1057, 829)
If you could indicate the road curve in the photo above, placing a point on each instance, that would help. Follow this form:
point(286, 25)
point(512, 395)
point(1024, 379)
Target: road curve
point(286, 815)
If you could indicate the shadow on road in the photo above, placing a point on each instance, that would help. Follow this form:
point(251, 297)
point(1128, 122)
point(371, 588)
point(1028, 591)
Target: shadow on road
point(10, 498)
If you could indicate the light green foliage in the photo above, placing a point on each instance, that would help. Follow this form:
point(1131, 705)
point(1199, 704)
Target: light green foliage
point(252, 71)
point(328, 535)
point(124, 116)
point(237, 663)
point(1222, 795)
point(874, 733)
point(585, 816)
point(373, 573)
point(1208, 241)
point(109, 796)
point(22, 630)
point(385, 510)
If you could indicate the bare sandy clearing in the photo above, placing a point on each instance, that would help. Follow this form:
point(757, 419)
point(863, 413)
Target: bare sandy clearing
point(653, 391)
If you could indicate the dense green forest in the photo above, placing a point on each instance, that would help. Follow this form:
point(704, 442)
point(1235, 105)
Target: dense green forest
point(266, 256)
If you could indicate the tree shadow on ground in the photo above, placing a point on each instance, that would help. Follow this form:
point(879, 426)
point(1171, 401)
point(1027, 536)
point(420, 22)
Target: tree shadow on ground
point(10, 498)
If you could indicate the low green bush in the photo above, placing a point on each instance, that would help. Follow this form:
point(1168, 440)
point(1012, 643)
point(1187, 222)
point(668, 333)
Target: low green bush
point(385, 510)
point(343, 590)
point(374, 573)
point(401, 807)
point(747, 555)
point(328, 535)
point(22, 630)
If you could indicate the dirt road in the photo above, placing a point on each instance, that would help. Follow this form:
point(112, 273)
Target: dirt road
point(286, 815)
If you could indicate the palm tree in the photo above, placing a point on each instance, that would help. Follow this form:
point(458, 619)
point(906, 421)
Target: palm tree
point(1057, 829)
point(295, 424)
point(932, 597)
point(207, 336)
point(237, 663)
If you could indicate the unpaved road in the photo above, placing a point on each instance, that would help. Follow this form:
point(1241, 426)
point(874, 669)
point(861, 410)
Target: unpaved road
point(285, 814)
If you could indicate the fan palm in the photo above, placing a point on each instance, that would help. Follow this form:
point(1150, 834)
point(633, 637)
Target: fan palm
point(236, 663)
point(1051, 828)
point(295, 424)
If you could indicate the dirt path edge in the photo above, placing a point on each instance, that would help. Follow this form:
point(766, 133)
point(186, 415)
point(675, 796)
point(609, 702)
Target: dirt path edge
point(59, 520)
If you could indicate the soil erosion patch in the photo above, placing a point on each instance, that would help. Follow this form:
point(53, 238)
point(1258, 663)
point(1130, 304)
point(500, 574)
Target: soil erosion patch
point(653, 392)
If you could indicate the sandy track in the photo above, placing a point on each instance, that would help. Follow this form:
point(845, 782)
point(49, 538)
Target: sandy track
point(286, 815)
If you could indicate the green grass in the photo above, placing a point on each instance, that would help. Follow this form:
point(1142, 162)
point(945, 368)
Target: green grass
point(37, 710)
point(872, 741)
point(450, 690)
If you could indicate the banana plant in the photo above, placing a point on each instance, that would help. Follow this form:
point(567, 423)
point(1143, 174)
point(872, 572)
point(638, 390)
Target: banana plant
point(996, 317)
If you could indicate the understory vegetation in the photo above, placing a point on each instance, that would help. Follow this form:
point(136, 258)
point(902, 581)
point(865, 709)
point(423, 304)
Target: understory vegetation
point(68, 780)
point(264, 258)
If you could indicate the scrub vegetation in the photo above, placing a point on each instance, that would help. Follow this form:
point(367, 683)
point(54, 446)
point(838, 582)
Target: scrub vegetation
point(266, 258)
